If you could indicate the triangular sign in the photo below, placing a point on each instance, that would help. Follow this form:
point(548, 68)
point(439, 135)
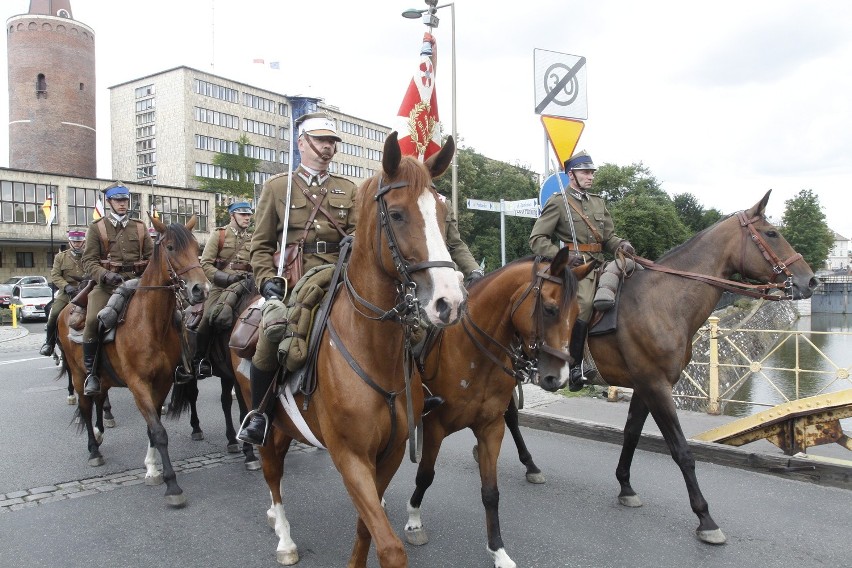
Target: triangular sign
point(563, 133)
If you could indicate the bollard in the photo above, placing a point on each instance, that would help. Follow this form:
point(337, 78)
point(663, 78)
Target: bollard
point(713, 387)
point(14, 308)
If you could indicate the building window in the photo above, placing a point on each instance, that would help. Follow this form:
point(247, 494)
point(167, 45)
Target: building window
point(81, 206)
point(217, 118)
point(24, 260)
point(216, 91)
point(180, 210)
point(146, 91)
point(41, 86)
point(21, 202)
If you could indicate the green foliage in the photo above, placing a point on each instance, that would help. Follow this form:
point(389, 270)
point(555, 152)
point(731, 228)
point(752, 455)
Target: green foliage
point(805, 228)
point(692, 214)
point(650, 222)
point(240, 169)
point(613, 182)
point(222, 215)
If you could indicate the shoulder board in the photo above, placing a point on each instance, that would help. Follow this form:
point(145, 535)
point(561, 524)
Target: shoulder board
point(341, 178)
point(276, 176)
point(96, 221)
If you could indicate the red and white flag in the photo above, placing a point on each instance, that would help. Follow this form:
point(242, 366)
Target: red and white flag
point(98, 211)
point(419, 129)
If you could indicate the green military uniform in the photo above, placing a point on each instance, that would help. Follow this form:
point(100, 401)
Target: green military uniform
point(126, 245)
point(232, 258)
point(459, 252)
point(67, 270)
point(553, 223)
point(321, 242)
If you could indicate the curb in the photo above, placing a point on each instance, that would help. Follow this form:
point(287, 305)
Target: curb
point(21, 332)
point(828, 473)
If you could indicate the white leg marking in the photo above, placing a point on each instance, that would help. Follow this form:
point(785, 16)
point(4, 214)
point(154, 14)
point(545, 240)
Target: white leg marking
point(414, 520)
point(152, 474)
point(501, 559)
point(287, 553)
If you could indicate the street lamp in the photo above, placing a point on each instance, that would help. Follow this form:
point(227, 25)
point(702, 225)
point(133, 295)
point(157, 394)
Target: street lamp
point(431, 21)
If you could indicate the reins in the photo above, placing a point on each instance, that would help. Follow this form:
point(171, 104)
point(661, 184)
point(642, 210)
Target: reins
point(762, 290)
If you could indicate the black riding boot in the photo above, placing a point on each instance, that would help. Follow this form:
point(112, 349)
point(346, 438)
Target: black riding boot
point(49, 339)
point(200, 367)
point(92, 385)
point(577, 380)
point(256, 424)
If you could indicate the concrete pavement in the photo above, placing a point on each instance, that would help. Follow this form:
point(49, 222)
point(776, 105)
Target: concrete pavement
point(8, 333)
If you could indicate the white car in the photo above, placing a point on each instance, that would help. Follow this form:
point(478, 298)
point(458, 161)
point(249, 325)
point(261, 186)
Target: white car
point(31, 300)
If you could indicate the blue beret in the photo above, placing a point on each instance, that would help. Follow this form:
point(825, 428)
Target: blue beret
point(240, 207)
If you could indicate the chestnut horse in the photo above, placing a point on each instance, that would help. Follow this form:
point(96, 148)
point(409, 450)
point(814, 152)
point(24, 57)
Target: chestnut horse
point(366, 399)
point(518, 323)
point(662, 307)
point(146, 348)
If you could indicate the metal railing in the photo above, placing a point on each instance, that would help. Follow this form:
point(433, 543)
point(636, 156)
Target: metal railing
point(715, 379)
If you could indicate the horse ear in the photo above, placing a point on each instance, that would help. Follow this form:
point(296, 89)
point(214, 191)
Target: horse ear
point(392, 154)
point(191, 223)
point(438, 163)
point(583, 270)
point(161, 227)
point(757, 210)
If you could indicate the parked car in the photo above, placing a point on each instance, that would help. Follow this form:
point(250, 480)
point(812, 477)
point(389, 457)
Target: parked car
point(7, 287)
point(31, 300)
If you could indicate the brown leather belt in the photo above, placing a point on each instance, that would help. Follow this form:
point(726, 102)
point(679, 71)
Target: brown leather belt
point(241, 266)
point(594, 247)
point(320, 247)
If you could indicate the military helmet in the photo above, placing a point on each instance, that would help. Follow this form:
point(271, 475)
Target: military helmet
point(580, 161)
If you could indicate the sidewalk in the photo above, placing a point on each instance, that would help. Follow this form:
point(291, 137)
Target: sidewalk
point(8, 333)
point(596, 418)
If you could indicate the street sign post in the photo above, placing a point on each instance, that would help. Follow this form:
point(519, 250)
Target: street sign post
point(521, 208)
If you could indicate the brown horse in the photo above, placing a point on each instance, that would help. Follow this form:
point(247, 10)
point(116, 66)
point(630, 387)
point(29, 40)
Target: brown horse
point(146, 348)
point(366, 400)
point(518, 316)
point(660, 310)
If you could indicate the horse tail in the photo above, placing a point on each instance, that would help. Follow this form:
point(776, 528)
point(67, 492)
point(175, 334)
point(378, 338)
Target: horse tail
point(181, 399)
point(78, 419)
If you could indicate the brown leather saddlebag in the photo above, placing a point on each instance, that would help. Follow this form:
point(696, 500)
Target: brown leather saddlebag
point(244, 337)
point(82, 297)
point(293, 265)
point(77, 317)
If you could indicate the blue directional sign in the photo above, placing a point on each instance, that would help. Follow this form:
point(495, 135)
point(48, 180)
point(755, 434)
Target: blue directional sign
point(551, 186)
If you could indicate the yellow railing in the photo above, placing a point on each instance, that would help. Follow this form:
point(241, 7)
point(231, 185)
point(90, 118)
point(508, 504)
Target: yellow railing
point(703, 374)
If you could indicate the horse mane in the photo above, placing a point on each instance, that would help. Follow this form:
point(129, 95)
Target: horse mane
point(179, 235)
point(675, 249)
point(570, 284)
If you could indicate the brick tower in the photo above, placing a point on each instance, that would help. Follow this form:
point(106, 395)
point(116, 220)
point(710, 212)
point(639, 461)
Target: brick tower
point(51, 60)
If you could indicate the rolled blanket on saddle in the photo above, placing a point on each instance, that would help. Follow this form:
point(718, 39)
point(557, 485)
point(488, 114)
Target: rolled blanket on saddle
point(111, 314)
point(221, 316)
point(610, 280)
point(289, 326)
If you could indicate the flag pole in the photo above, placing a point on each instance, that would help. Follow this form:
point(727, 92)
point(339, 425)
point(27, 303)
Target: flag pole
point(52, 205)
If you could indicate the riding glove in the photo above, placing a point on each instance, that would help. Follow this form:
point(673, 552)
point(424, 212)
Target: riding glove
point(112, 279)
point(272, 290)
point(473, 277)
point(575, 260)
point(70, 289)
point(626, 247)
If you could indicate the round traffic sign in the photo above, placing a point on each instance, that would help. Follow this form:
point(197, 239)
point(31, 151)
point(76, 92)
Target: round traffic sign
point(551, 186)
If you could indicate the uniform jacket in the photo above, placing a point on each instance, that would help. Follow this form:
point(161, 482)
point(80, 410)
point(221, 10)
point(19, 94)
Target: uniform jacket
point(235, 249)
point(459, 252)
point(553, 223)
point(339, 201)
point(67, 269)
point(123, 248)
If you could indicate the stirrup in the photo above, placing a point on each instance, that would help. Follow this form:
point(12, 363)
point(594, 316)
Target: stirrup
point(204, 369)
point(88, 390)
point(182, 377)
point(245, 436)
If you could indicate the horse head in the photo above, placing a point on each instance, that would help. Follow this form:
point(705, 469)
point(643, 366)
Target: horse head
point(403, 219)
point(545, 318)
point(771, 258)
point(175, 259)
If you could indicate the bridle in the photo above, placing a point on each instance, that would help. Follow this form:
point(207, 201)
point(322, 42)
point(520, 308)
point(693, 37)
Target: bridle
point(762, 290)
point(175, 282)
point(406, 312)
point(523, 354)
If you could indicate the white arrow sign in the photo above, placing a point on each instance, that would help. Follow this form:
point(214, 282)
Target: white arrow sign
point(480, 205)
point(531, 212)
point(522, 204)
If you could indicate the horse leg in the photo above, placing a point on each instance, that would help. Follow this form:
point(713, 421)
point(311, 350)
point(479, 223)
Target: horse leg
point(251, 461)
point(159, 438)
point(415, 532)
point(273, 453)
point(534, 474)
point(109, 419)
point(490, 438)
point(636, 416)
point(192, 395)
point(72, 396)
point(93, 444)
point(663, 410)
point(152, 473)
point(226, 400)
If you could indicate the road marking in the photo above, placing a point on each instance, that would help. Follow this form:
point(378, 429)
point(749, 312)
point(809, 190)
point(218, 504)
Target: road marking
point(20, 361)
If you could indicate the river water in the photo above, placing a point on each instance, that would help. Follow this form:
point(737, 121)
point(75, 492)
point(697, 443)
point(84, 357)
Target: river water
point(832, 351)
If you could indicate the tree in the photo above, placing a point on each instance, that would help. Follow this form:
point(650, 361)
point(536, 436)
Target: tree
point(238, 173)
point(650, 222)
point(805, 228)
point(615, 182)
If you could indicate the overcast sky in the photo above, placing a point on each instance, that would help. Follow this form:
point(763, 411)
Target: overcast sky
point(722, 99)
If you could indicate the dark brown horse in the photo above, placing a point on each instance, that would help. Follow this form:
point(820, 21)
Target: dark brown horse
point(146, 348)
point(660, 310)
point(363, 409)
point(521, 313)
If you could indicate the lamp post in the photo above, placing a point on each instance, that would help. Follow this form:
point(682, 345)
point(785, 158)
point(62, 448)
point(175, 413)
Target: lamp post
point(431, 21)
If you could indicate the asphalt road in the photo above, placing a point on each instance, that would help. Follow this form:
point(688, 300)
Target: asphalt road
point(55, 510)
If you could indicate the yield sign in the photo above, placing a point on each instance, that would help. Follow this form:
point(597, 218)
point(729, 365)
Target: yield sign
point(563, 134)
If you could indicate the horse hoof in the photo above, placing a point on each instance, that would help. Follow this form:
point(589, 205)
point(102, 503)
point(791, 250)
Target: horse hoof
point(198, 436)
point(176, 501)
point(109, 422)
point(71, 400)
point(630, 500)
point(476, 454)
point(711, 537)
point(287, 558)
point(154, 479)
point(234, 448)
point(253, 465)
point(417, 537)
point(96, 462)
point(501, 559)
point(537, 478)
